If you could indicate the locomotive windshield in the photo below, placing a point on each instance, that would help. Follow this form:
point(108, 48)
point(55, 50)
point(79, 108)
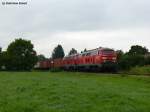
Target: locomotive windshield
point(108, 51)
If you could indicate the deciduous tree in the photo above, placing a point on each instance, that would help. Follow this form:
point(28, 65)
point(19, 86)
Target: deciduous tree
point(21, 55)
point(137, 50)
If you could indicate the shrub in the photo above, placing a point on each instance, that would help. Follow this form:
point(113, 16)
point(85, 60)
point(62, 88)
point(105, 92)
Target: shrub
point(128, 61)
point(147, 61)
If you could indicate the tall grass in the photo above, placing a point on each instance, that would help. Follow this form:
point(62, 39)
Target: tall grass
point(73, 92)
point(144, 70)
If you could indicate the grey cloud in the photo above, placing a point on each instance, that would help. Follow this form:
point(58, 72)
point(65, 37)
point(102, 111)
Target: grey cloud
point(43, 19)
point(61, 15)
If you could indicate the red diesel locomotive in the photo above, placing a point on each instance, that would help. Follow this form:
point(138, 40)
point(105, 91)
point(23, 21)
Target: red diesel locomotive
point(91, 60)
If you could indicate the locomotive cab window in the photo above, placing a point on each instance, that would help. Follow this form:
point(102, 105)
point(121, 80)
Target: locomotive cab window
point(108, 51)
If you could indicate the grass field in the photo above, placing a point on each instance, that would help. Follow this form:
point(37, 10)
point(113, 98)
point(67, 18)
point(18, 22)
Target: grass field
point(73, 92)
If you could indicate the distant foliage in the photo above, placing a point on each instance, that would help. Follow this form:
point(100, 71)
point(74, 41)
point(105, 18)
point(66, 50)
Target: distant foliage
point(128, 61)
point(0, 50)
point(5, 60)
point(147, 61)
point(41, 57)
point(0, 58)
point(20, 55)
point(135, 57)
point(73, 51)
point(138, 50)
point(58, 52)
point(120, 53)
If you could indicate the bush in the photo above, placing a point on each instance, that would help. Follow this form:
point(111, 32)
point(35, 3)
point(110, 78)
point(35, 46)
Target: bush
point(128, 61)
point(147, 61)
point(123, 63)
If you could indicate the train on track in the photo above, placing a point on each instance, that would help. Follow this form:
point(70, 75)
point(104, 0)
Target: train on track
point(99, 59)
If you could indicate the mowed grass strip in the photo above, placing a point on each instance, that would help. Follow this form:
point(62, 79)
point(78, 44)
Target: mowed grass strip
point(73, 92)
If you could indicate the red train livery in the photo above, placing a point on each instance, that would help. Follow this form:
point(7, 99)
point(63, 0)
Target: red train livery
point(95, 59)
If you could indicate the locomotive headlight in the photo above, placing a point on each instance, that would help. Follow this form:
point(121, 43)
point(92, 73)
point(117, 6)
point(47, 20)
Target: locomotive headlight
point(114, 58)
point(104, 58)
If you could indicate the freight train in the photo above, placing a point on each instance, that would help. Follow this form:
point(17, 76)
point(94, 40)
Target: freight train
point(98, 59)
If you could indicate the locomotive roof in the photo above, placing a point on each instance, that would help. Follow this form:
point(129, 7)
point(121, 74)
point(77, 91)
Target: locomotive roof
point(100, 48)
point(87, 52)
point(73, 55)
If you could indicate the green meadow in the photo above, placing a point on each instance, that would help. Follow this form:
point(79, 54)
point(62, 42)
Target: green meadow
point(73, 92)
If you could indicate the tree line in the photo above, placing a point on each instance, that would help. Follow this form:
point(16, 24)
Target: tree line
point(21, 56)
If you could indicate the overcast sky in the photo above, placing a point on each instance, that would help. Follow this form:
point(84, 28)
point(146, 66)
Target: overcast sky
point(77, 24)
